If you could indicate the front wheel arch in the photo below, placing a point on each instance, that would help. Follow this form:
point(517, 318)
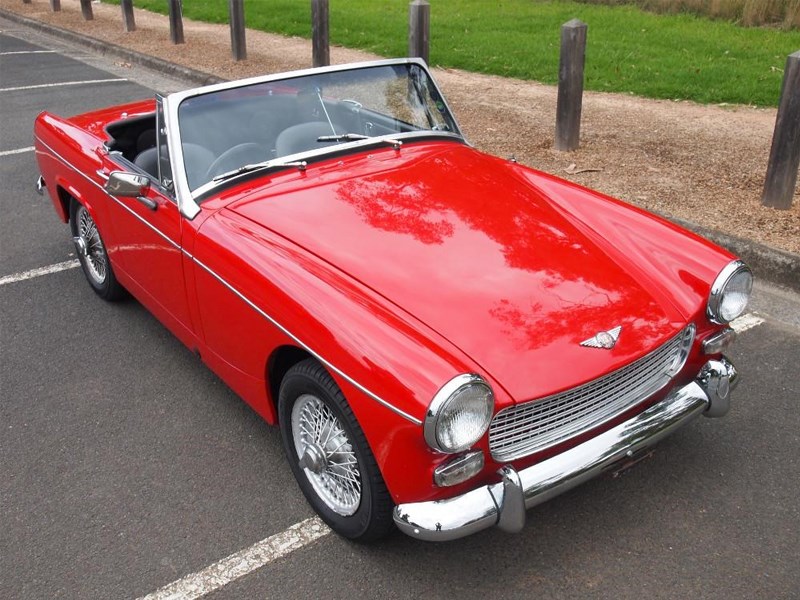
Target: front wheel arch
point(280, 361)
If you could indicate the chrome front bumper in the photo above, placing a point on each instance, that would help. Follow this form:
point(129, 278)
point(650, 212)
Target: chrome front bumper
point(504, 503)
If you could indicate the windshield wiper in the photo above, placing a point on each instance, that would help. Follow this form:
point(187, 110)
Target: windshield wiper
point(266, 165)
point(347, 137)
point(301, 164)
point(353, 137)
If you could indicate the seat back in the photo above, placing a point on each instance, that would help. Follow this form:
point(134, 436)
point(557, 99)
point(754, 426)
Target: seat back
point(303, 137)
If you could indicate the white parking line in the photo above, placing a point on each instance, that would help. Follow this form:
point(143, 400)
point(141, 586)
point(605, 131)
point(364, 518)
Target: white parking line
point(62, 266)
point(28, 52)
point(243, 562)
point(746, 322)
point(17, 151)
point(49, 85)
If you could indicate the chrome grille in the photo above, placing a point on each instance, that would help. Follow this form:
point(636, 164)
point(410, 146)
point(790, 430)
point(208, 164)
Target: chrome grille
point(532, 426)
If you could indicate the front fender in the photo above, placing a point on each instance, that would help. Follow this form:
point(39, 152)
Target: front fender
point(273, 293)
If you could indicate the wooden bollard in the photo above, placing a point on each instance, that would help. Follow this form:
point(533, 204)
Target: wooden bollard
point(176, 21)
point(238, 41)
point(784, 156)
point(320, 41)
point(570, 85)
point(86, 10)
point(419, 22)
point(128, 22)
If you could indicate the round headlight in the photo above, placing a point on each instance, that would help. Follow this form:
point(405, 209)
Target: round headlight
point(459, 414)
point(730, 293)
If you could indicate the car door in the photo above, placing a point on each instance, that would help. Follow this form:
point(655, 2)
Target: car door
point(148, 241)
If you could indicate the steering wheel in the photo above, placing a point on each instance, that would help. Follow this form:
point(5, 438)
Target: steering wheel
point(237, 156)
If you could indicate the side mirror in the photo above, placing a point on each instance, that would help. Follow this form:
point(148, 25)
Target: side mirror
point(130, 185)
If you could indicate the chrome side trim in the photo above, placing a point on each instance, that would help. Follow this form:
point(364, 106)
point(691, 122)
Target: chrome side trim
point(241, 296)
point(505, 502)
point(299, 342)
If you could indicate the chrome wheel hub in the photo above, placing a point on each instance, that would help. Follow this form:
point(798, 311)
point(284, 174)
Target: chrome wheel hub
point(326, 455)
point(314, 459)
point(90, 246)
point(80, 245)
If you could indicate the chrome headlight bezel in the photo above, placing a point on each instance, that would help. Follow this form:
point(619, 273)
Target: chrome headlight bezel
point(732, 271)
point(448, 393)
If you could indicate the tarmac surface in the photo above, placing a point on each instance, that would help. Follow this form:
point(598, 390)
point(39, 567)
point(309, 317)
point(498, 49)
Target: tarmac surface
point(127, 465)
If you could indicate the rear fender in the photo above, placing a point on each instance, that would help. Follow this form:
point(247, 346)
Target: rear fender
point(68, 162)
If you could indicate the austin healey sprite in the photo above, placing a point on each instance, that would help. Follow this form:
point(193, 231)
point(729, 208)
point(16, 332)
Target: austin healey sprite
point(445, 338)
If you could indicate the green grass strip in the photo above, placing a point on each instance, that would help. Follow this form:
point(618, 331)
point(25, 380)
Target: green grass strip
point(658, 56)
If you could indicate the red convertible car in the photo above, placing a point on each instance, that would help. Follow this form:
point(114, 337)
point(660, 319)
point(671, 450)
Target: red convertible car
point(445, 338)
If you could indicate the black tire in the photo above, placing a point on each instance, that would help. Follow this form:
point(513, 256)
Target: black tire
point(307, 387)
point(92, 253)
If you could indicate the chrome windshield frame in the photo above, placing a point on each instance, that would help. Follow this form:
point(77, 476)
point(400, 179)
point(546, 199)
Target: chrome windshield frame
point(188, 199)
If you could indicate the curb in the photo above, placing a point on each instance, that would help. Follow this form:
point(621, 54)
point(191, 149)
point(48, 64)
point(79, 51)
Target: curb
point(107, 48)
point(776, 266)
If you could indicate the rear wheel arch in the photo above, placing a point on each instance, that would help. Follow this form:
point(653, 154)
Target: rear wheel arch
point(64, 199)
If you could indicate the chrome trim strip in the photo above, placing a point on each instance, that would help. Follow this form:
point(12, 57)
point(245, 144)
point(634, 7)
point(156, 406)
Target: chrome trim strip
point(483, 507)
point(244, 298)
point(298, 341)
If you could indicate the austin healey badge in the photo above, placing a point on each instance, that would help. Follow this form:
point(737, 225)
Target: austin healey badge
point(604, 339)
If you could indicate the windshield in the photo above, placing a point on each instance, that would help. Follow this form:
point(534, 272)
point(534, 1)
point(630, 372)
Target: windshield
point(225, 130)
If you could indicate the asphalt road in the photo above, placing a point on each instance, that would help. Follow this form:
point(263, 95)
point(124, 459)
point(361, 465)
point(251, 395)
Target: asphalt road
point(126, 465)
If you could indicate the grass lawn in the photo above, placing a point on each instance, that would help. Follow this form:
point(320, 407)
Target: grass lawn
point(628, 50)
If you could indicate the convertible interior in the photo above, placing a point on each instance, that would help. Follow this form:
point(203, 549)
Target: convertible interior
point(221, 132)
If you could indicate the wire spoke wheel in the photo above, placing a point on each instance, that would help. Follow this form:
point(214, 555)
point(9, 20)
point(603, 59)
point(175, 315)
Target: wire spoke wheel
point(326, 455)
point(90, 247)
point(329, 455)
point(92, 254)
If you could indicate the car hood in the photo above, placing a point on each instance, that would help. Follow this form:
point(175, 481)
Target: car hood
point(463, 243)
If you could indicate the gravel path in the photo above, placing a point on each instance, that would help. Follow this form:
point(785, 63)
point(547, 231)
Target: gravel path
point(705, 164)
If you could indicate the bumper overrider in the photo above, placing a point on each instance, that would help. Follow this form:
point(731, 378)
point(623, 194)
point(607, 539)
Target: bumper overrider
point(504, 503)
